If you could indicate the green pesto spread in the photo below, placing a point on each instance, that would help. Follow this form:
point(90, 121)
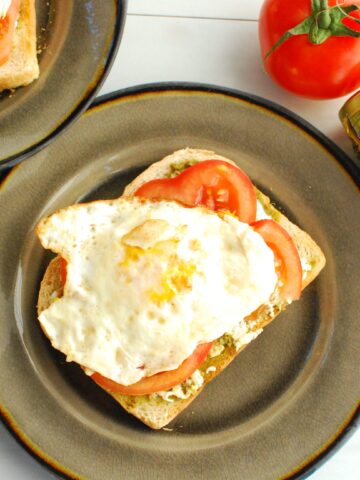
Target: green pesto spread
point(177, 168)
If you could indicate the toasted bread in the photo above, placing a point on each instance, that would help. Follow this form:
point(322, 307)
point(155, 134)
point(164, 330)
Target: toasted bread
point(154, 410)
point(22, 67)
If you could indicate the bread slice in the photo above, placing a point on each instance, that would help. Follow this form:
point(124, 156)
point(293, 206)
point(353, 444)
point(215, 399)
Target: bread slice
point(22, 67)
point(154, 410)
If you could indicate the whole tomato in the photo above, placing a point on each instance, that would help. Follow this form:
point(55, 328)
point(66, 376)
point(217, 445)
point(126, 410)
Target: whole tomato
point(312, 47)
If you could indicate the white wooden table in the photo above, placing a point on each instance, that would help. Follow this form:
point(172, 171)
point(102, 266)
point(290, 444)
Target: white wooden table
point(208, 41)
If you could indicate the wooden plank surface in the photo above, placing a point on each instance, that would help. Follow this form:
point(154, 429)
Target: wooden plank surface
point(235, 9)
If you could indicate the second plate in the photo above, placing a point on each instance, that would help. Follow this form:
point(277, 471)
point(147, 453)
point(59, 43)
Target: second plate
point(77, 42)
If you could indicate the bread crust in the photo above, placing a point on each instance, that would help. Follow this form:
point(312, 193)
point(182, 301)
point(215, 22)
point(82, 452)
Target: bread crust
point(22, 67)
point(153, 410)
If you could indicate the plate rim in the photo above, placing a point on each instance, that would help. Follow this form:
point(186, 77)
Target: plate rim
point(353, 421)
point(157, 87)
point(83, 104)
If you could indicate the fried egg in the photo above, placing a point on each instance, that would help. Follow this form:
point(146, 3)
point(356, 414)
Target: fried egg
point(149, 281)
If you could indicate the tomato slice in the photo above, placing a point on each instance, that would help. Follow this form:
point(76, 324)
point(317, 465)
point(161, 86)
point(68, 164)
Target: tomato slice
point(286, 255)
point(215, 184)
point(7, 29)
point(161, 381)
point(63, 270)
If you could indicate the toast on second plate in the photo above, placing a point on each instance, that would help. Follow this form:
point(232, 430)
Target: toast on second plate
point(22, 67)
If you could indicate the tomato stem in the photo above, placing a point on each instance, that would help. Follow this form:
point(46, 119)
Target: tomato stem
point(323, 23)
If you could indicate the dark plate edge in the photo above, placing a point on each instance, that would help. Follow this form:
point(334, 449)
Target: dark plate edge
point(326, 452)
point(352, 422)
point(121, 8)
point(34, 452)
point(339, 155)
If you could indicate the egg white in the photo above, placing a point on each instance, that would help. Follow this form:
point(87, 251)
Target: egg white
point(149, 281)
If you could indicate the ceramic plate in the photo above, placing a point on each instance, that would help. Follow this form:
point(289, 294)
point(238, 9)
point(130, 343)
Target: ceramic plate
point(77, 42)
point(289, 398)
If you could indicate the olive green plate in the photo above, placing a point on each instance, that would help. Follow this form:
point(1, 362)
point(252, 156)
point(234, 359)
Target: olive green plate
point(287, 400)
point(77, 41)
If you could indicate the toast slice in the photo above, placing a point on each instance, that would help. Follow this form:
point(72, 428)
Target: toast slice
point(22, 67)
point(157, 410)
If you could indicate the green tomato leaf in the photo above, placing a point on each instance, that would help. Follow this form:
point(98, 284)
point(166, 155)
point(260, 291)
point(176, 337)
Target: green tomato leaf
point(341, 30)
point(343, 12)
point(302, 28)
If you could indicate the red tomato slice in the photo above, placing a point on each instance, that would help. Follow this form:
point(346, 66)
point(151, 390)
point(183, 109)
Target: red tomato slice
point(161, 381)
point(7, 29)
point(214, 184)
point(286, 255)
point(63, 270)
